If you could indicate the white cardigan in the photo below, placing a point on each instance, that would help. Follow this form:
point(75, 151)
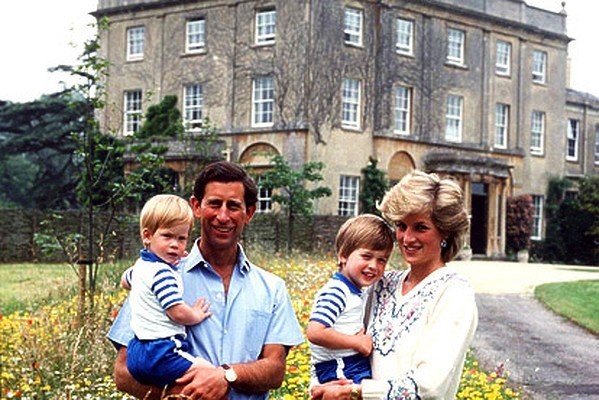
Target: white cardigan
point(420, 339)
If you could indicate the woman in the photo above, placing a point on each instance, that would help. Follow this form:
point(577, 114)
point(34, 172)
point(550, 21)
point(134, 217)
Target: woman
point(422, 320)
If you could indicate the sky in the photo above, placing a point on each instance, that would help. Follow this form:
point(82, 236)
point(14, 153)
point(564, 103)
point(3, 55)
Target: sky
point(39, 34)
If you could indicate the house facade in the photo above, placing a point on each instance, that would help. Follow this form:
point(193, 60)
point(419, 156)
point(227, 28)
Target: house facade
point(474, 89)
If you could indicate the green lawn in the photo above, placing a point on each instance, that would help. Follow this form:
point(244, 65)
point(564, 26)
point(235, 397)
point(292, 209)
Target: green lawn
point(24, 285)
point(577, 301)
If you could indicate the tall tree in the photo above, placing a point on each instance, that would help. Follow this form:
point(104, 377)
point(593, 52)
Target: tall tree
point(290, 191)
point(374, 187)
point(38, 166)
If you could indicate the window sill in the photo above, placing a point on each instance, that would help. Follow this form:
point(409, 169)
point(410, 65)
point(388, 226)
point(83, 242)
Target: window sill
point(351, 128)
point(455, 64)
point(503, 75)
point(537, 153)
point(134, 60)
point(194, 53)
point(405, 54)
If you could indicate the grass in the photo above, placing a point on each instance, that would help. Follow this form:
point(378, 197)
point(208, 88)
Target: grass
point(576, 301)
point(23, 286)
point(46, 353)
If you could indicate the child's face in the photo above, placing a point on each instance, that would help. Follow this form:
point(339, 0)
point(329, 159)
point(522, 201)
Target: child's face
point(168, 243)
point(364, 266)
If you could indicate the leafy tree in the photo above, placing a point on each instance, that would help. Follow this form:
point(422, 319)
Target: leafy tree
point(374, 188)
point(38, 167)
point(162, 120)
point(518, 222)
point(290, 189)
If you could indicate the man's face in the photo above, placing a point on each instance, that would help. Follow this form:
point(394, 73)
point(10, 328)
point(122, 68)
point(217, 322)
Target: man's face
point(223, 215)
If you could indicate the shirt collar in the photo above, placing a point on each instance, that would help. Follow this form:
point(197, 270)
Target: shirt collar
point(196, 259)
point(147, 255)
point(352, 287)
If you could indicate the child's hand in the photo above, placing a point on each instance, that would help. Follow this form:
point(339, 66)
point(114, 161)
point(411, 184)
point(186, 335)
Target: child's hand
point(201, 306)
point(363, 343)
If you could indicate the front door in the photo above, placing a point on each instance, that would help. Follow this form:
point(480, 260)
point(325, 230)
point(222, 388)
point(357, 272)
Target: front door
point(478, 227)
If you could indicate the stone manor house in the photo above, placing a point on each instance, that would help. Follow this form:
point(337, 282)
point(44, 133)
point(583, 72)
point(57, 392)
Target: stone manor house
point(477, 89)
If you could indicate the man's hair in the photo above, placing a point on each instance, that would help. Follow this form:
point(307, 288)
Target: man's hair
point(226, 172)
point(164, 211)
point(441, 199)
point(365, 231)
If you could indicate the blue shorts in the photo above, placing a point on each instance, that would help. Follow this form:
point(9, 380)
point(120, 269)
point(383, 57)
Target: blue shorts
point(158, 362)
point(355, 367)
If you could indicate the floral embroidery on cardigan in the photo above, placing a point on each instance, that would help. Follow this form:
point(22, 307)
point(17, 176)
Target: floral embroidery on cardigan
point(391, 318)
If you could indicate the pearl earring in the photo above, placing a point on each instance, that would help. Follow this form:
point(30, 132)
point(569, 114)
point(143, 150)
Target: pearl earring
point(443, 243)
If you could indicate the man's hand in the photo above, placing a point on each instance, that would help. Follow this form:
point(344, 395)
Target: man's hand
point(207, 383)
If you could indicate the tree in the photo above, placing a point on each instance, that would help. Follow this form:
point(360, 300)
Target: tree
point(374, 188)
point(38, 167)
point(518, 222)
point(162, 120)
point(291, 192)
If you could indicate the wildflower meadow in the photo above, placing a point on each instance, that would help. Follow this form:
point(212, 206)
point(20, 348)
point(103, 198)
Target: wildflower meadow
point(46, 354)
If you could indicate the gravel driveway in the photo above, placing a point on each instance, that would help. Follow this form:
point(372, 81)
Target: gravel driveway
point(549, 357)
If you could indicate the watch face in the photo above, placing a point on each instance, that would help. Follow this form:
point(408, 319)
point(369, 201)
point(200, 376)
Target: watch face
point(230, 375)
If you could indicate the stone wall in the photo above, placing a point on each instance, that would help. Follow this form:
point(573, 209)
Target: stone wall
point(266, 231)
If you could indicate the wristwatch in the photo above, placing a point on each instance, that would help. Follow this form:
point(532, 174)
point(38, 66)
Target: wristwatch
point(230, 374)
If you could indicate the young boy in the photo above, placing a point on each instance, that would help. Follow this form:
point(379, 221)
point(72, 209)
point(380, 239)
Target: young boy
point(159, 352)
point(339, 346)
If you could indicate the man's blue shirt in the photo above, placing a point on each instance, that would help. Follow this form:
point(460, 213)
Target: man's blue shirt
point(256, 311)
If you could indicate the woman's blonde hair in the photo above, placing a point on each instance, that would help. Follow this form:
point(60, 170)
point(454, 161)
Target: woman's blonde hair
point(165, 210)
point(441, 199)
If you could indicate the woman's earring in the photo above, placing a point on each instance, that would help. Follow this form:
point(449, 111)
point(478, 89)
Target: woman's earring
point(443, 244)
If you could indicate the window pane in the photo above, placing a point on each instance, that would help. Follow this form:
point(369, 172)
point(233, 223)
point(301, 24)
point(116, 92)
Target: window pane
point(453, 119)
point(195, 35)
point(351, 103)
point(263, 101)
point(537, 218)
point(264, 204)
point(192, 112)
point(537, 132)
point(405, 29)
point(348, 195)
point(502, 63)
point(572, 139)
point(539, 66)
point(132, 112)
point(455, 46)
point(402, 110)
point(266, 26)
point(135, 43)
point(501, 125)
point(353, 26)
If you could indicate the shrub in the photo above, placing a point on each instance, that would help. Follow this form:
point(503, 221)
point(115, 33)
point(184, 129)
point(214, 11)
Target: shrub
point(518, 223)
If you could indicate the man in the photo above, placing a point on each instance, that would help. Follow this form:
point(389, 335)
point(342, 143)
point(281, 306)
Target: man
point(253, 323)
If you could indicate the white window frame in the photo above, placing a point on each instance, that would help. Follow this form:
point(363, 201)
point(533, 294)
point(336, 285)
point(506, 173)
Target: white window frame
point(537, 217)
point(502, 121)
point(132, 111)
point(402, 110)
point(349, 195)
point(193, 103)
point(263, 101)
point(135, 43)
point(454, 112)
point(456, 39)
point(537, 132)
point(572, 139)
point(195, 35)
point(503, 58)
point(264, 203)
point(351, 99)
point(266, 26)
point(352, 26)
point(539, 66)
point(597, 144)
point(404, 43)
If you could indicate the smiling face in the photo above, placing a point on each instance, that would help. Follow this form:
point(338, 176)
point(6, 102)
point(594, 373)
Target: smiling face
point(419, 241)
point(223, 215)
point(363, 266)
point(168, 243)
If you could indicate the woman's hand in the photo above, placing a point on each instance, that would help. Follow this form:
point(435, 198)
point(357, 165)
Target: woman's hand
point(335, 390)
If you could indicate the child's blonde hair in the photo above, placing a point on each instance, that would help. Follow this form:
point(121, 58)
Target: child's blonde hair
point(165, 210)
point(364, 231)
